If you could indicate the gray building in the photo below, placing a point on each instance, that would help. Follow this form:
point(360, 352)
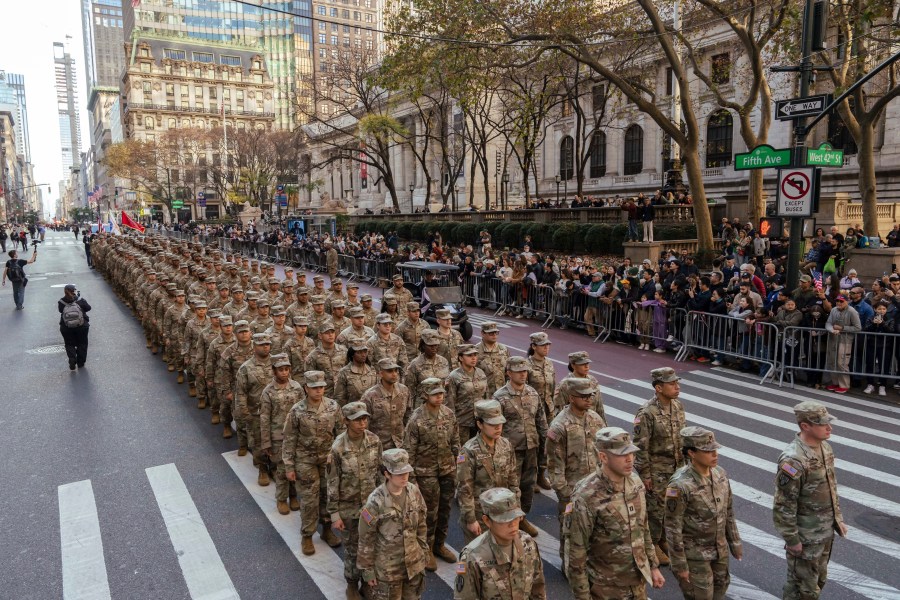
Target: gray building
point(67, 106)
point(12, 91)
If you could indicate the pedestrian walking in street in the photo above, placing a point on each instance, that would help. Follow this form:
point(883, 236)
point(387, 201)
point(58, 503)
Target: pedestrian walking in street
point(87, 238)
point(3, 237)
point(15, 272)
point(74, 324)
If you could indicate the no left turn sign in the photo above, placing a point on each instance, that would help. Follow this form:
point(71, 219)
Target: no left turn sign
point(796, 188)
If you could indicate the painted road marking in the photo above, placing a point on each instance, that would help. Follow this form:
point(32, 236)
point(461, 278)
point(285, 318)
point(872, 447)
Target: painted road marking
point(83, 564)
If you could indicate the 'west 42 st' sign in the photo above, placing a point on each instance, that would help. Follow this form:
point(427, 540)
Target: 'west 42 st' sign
point(824, 156)
point(762, 157)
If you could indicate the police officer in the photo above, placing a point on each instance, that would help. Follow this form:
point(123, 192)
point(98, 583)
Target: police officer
point(807, 511)
point(657, 427)
point(389, 405)
point(466, 385)
point(252, 378)
point(609, 553)
point(309, 432)
point(502, 563)
point(485, 461)
point(492, 356)
point(700, 525)
point(392, 533)
point(353, 473)
point(432, 441)
point(357, 375)
point(526, 429)
point(276, 402)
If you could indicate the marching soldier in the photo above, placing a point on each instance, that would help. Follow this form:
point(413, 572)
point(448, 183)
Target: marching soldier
point(389, 405)
point(173, 327)
point(657, 427)
point(356, 376)
point(278, 332)
point(427, 364)
point(807, 511)
point(432, 441)
point(579, 368)
point(263, 319)
point(353, 474)
point(252, 378)
point(331, 261)
point(251, 311)
point(385, 344)
point(327, 357)
point(542, 377)
point(193, 351)
point(400, 293)
point(223, 297)
point(276, 402)
point(485, 461)
point(608, 551)
point(318, 317)
point(211, 367)
point(502, 563)
point(392, 533)
point(353, 295)
point(301, 307)
point(357, 328)
point(309, 431)
point(236, 306)
point(492, 357)
point(338, 308)
point(466, 385)
point(370, 312)
point(299, 347)
point(450, 338)
point(335, 294)
point(410, 330)
point(700, 525)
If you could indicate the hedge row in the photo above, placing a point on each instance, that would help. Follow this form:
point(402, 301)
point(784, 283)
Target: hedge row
point(565, 238)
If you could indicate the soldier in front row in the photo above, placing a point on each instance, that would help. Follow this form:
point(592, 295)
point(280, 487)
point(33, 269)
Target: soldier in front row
point(502, 563)
point(277, 400)
point(252, 378)
point(700, 525)
point(609, 552)
point(393, 541)
point(807, 511)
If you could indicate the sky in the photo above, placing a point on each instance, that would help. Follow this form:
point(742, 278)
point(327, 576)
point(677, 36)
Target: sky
point(26, 47)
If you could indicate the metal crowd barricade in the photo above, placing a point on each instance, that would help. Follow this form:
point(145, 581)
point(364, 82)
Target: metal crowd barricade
point(863, 354)
point(577, 310)
point(483, 292)
point(721, 336)
point(347, 267)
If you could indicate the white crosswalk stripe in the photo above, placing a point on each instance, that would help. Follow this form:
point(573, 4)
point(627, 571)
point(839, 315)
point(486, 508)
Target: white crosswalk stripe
point(83, 564)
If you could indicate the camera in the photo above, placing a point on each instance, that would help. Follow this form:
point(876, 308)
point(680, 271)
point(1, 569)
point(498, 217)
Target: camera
point(34, 243)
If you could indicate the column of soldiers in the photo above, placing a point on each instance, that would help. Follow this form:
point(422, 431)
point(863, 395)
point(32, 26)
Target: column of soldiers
point(383, 424)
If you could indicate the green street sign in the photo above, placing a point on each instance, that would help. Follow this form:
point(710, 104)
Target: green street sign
point(762, 157)
point(825, 156)
point(177, 203)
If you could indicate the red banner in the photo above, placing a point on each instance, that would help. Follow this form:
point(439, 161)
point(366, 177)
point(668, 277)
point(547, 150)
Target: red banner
point(127, 222)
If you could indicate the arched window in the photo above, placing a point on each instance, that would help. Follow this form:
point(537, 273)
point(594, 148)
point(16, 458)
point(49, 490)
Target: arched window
point(598, 154)
point(838, 135)
point(634, 150)
point(719, 133)
point(567, 158)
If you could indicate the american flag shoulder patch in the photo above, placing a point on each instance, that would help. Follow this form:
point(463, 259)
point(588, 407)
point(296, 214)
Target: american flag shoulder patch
point(551, 434)
point(460, 568)
point(366, 515)
point(787, 468)
point(637, 420)
point(672, 492)
point(461, 459)
point(569, 507)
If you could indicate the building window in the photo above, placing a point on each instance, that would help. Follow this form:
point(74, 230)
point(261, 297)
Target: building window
point(634, 150)
point(567, 158)
point(346, 28)
point(356, 15)
point(184, 91)
point(167, 69)
point(322, 10)
point(231, 61)
point(145, 52)
point(203, 57)
point(598, 98)
point(369, 44)
point(213, 92)
point(670, 81)
point(173, 123)
point(324, 109)
point(145, 67)
point(345, 14)
point(720, 69)
point(323, 53)
point(323, 38)
point(149, 123)
point(323, 67)
point(174, 54)
point(346, 42)
point(334, 12)
point(334, 40)
point(368, 17)
point(201, 123)
point(198, 73)
point(598, 154)
point(719, 133)
point(323, 26)
point(198, 93)
point(838, 135)
point(170, 89)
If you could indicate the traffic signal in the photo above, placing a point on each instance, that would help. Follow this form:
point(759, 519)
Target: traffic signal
point(771, 227)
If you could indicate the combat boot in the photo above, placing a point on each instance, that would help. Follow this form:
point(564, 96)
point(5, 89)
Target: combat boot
point(430, 563)
point(192, 390)
point(353, 591)
point(215, 419)
point(227, 432)
point(543, 481)
point(154, 349)
point(263, 479)
point(444, 553)
point(171, 368)
point(201, 404)
point(528, 528)
point(180, 378)
point(295, 504)
point(149, 343)
point(661, 556)
point(242, 451)
point(283, 507)
point(306, 545)
point(328, 536)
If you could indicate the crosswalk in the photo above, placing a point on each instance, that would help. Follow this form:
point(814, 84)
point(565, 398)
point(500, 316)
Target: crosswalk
point(752, 422)
point(60, 242)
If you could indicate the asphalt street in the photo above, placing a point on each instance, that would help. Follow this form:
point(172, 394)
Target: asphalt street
point(115, 486)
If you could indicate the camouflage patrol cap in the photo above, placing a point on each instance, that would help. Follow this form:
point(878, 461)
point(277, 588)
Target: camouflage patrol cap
point(384, 318)
point(396, 461)
point(318, 278)
point(489, 327)
point(231, 266)
point(412, 306)
point(490, 412)
point(254, 280)
point(193, 298)
point(214, 313)
point(317, 299)
point(263, 301)
point(442, 313)
point(280, 360)
point(327, 326)
point(539, 339)
point(615, 440)
point(162, 277)
point(356, 312)
point(338, 304)
point(352, 285)
point(237, 289)
point(698, 439)
point(252, 296)
point(287, 284)
point(200, 304)
point(260, 339)
point(273, 281)
point(171, 287)
point(209, 280)
point(387, 364)
point(357, 344)
point(396, 277)
point(179, 292)
point(354, 410)
point(314, 379)
point(581, 386)
point(430, 337)
point(500, 505)
point(301, 290)
point(278, 310)
point(433, 385)
point(241, 325)
point(390, 300)
point(225, 320)
point(337, 281)
point(579, 358)
point(664, 375)
point(300, 321)
point(466, 349)
point(812, 412)
point(289, 269)
point(517, 363)
point(365, 298)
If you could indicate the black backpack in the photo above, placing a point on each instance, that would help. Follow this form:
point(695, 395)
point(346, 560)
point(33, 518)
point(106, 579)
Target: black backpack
point(14, 270)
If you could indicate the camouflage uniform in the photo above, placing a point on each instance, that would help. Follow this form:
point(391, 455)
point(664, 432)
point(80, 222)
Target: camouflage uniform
point(542, 377)
point(328, 361)
point(233, 309)
point(194, 351)
point(561, 399)
point(402, 295)
point(173, 329)
point(353, 474)
point(371, 314)
point(279, 337)
point(493, 363)
point(392, 537)
point(349, 333)
point(411, 334)
point(700, 524)
point(350, 385)
point(390, 412)
point(463, 391)
point(807, 509)
point(213, 357)
point(298, 349)
point(608, 552)
point(432, 441)
point(392, 347)
point(298, 309)
point(252, 378)
point(449, 344)
point(261, 324)
point(421, 369)
point(309, 433)
point(274, 405)
point(487, 570)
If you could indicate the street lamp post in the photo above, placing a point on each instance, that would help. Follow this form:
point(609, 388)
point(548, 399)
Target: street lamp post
point(412, 188)
point(565, 189)
point(557, 188)
point(455, 198)
point(505, 179)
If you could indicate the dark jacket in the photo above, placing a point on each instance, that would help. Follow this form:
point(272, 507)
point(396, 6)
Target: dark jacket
point(646, 212)
point(85, 307)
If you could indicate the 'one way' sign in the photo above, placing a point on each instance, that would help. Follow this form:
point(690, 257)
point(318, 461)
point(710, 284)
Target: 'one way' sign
point(785, 110)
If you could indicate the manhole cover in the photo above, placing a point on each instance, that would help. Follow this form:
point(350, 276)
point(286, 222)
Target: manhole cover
point(55, 349)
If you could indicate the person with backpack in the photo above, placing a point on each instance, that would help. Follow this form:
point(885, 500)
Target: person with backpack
point(15, 272)
point(74, 324)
